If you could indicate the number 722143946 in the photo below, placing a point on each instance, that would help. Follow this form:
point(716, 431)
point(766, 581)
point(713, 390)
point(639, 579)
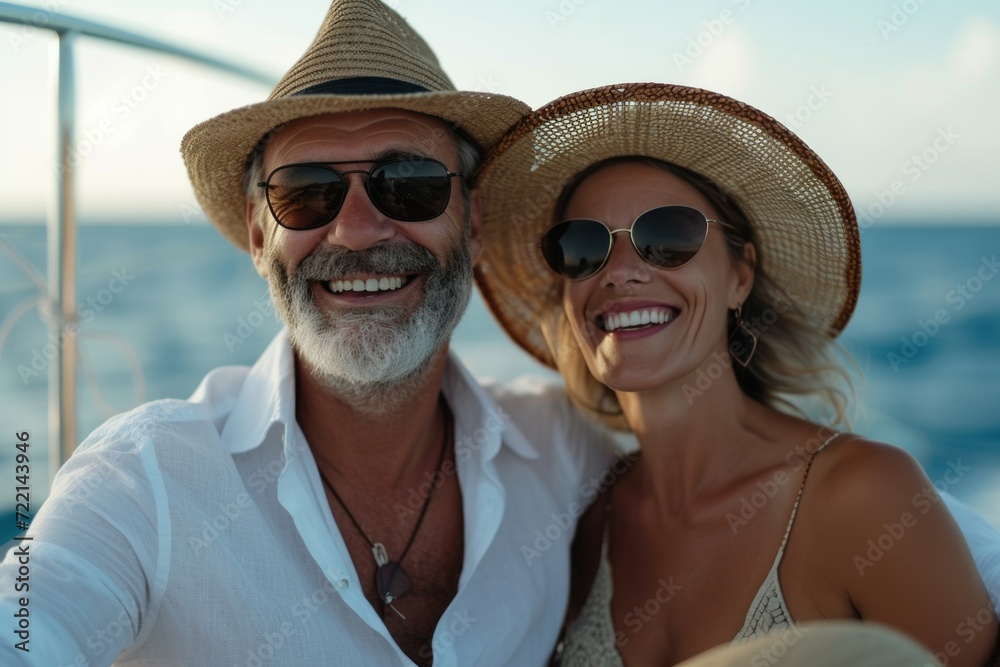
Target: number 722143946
point(22, 490)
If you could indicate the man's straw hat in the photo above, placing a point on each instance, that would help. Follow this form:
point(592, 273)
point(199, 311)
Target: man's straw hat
point(365, 56)
point(803, 222)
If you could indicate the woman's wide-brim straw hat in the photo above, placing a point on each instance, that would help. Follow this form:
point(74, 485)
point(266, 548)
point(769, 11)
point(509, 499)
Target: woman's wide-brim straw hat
point(803, 222)
point(365, 56)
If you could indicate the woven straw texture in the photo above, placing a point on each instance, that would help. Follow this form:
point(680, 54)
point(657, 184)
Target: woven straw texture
point(364, 39)
point(804, 225)
point(358, 38)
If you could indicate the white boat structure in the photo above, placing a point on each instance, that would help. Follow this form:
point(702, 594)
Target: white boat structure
point(60, 293)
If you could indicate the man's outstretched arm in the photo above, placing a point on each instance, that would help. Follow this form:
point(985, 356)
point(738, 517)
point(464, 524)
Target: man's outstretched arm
point(76, 592)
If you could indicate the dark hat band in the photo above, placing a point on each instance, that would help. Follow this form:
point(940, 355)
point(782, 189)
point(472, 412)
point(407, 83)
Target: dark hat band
point(363, 85)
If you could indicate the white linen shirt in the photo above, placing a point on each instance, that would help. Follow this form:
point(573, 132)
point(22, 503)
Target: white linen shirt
point(198, 533)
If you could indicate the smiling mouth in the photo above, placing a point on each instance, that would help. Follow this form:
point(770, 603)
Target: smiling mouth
point(371, 284)
point(635, 319)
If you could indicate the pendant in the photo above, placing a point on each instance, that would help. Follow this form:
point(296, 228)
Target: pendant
point(391, 579)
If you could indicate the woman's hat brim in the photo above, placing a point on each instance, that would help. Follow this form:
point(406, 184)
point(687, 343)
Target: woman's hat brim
point(803, 223)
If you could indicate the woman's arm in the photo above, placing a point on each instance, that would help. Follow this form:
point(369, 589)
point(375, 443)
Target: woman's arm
point(902, 558)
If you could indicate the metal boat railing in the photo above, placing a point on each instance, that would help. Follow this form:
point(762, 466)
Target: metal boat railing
point(61, 232)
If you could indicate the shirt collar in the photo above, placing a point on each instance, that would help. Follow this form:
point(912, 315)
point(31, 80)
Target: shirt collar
point(478, 416)
point(267, 397)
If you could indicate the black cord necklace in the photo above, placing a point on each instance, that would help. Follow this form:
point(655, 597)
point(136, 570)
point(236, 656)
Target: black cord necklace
point(391, 579)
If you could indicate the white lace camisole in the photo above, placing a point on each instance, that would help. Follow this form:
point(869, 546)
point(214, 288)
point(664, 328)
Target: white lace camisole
point(590, 640)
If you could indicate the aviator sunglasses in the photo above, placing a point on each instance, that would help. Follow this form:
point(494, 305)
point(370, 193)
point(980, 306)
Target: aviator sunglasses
point(667, 237)
point(309, 195)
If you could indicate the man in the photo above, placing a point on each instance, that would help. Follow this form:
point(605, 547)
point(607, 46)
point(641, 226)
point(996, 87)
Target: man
point(355, 497)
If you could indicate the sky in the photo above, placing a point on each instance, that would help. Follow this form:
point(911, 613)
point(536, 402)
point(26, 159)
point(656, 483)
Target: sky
point(898, 97)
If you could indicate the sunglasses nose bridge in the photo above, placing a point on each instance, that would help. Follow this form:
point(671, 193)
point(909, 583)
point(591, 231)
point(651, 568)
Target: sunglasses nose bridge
point(356, 182)
point(347, 172)
point(359, 224)
point(631, 239)
point(622, 264)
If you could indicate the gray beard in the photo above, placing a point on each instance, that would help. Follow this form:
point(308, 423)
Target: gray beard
point(378, 357)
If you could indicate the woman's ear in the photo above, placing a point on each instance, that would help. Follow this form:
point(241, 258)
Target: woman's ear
point(746, 268)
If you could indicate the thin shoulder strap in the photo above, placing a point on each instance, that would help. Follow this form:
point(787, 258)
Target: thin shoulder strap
point(606, 533)
point(802, 486)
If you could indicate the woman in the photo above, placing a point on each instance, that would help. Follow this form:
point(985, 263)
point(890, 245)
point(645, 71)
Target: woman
point(685, 262)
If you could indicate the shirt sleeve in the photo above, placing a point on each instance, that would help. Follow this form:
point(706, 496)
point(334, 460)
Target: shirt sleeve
point(983, 540)
point(88, 574)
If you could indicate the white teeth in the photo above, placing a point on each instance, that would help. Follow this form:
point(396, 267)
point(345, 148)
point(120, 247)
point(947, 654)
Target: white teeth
point(636, 318)
point(368, 285)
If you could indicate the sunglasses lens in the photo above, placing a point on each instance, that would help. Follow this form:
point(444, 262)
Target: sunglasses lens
point(670, 236)
point(576, 249)
point(410, 189)
point(303, 197)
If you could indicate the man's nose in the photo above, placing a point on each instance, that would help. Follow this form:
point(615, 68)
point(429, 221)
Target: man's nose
point(359, 224)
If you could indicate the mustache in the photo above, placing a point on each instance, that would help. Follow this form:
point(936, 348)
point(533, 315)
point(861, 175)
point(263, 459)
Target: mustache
point(332, 263)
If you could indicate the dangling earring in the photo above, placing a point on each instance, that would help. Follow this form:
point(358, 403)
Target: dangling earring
point(743, 341)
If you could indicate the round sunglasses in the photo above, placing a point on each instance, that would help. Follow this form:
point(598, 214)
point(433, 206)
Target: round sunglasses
point(667, 237)
point(309, 195)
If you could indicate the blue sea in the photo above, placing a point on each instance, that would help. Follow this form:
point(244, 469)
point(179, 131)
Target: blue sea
point(160, 305)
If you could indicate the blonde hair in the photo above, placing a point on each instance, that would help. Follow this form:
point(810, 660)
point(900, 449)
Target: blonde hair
point(794, 359)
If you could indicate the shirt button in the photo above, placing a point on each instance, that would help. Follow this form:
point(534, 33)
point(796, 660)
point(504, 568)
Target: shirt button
point(344, 584)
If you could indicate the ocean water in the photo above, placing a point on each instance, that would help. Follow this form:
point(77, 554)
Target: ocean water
point(160, 305)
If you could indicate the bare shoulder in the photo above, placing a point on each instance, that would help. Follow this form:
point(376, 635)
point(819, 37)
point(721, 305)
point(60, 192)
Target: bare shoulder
point(866, 493)
point(862, 474)
point(894, 547)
